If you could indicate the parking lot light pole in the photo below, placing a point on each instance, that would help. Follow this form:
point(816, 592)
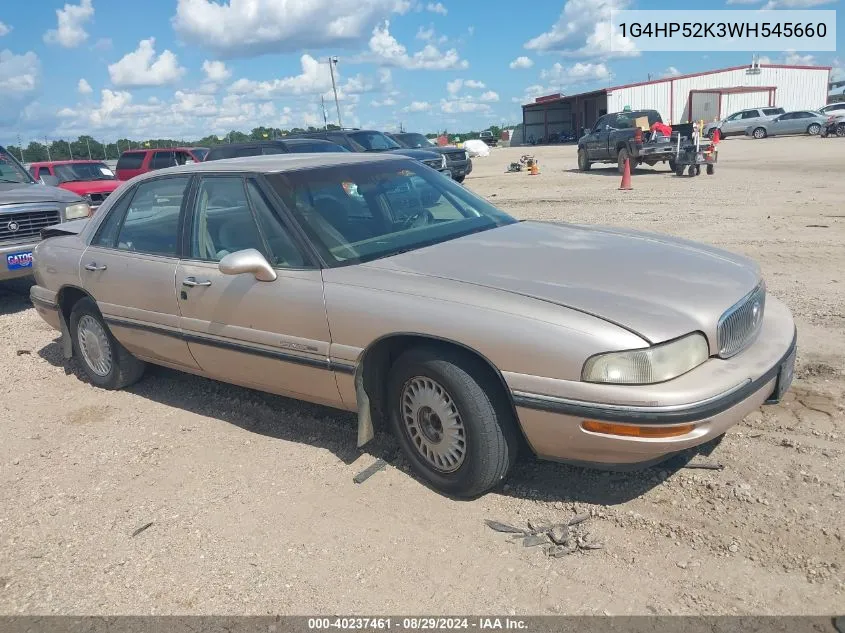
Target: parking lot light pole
point(47, 145)
point(332, 64)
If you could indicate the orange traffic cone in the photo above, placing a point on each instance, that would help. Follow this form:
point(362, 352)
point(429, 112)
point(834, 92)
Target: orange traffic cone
point(717, 136)
point(626, 177)
point(535, 171)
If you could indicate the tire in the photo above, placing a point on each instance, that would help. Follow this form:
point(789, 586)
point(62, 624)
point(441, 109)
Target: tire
point(459, 179)
point(488, 428)
point(583, 163)
point(813, 129)
point(840, 129)
point(620, 160)
point(672, 166)
point(759, 133)
point(679, 170)
point(711, 169)
point(121, 370)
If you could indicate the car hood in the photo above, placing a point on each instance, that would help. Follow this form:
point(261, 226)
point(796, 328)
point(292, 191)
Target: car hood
point(656, 286)
point(81, 187)
point(416, 154)
point(24, 192)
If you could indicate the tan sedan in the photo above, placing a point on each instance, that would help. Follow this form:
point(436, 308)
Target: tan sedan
point(375, 284)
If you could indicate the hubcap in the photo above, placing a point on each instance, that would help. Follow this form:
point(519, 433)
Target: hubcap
point(758, 133)
point(94, 345)
point(814, 129)
point(433, 424)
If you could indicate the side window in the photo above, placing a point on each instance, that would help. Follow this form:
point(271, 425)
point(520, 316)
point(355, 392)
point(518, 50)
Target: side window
point(182, 158)
point(152, 219)
point(772, 111)
point(340, 139)
point(33, 171)
point(247, 151)
point(803, 115)
point(284, 251)
point(600, 124)
point(222, 221)
point(107, 231)
point(787, 117)
point(272, 149)
point(160, 160)
point(750, 114)
point(130, 160)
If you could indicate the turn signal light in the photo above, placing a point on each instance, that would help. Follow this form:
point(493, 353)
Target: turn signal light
point(632, 430)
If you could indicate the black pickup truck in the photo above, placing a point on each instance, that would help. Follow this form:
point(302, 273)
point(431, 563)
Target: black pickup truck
point(613, 139)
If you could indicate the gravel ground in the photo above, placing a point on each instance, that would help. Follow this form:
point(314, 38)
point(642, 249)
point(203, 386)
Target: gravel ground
point(252, 505)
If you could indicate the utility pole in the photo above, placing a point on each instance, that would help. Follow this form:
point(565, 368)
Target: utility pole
point(20, 147)
point(47, 145)
point(325, 115)
point(69, 149)
point(89, 148)
point(332, 64)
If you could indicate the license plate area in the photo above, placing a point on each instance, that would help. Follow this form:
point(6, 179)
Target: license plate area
point(785, 375)
point(16, 261)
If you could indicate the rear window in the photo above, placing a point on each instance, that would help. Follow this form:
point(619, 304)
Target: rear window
point(627, 119)
point(130, 160)
point(309, 148)
point(199, 152)
point(773, 111)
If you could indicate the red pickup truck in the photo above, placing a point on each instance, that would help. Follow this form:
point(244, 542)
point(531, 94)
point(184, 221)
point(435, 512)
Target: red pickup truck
point(92, 180)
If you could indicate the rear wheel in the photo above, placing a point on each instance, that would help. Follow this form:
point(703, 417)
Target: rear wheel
point(452, 420)
point(103, 359)
point(759, 133)
point(583, 162)
point(459, 179)
point(711, 169)
point(840, 129)
point(813, 129)
point(620, 161)
point(672, 165)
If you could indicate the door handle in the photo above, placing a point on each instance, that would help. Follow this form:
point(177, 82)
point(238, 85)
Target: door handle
point(192, 282)
point(93, 267)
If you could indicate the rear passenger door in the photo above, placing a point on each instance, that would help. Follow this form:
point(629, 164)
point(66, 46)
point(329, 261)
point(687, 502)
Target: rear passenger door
point(130, 267)
point(269, 335)
point(162, 159)
point(340, 139)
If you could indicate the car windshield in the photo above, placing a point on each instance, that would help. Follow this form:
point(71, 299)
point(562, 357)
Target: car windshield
point(11, 170)
point(360, 212)
point(374, 141)
point(83, 172)
point(310, 148)
point(412, 139)
point(200, 152)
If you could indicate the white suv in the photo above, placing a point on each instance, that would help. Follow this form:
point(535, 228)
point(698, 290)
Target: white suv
point(834, 108)
point(739, 121)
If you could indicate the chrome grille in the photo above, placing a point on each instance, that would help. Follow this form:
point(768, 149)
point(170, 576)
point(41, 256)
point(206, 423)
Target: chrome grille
point(98, 198)
point(741, 323)
point(23, 224)
point(434, 164)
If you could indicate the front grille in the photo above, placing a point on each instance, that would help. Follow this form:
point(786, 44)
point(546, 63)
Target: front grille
point(23, 224)
point(741, 323)
point(98, 198)
point(434, 164)
point(456, 156)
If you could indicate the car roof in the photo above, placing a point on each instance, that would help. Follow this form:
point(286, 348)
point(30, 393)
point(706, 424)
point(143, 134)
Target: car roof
point(46, 163)
point(160, 149)
point(275, 163)
point(270, 142)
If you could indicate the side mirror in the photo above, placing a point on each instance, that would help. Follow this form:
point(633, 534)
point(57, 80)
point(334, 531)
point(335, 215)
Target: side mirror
point(50, 181)
point(247, 261)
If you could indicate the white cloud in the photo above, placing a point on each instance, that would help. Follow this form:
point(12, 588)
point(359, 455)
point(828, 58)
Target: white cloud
point(671, 71)
point(385, 50)
point(472, 83)
point(579, 73)
point(71, 22)
point(792, 58)
point(20, 79)
point(102, 44)
point(314, 79)
point(489, 96)
point(531, 93)
point(4, 29)
point(584, 29)
point(522, 62)
point(250, 27)
point(417, 106)
point(463, 105)
point(454, 86)
point(389, 101)
point(796, 4)
point(141, 68)
point(436, 7)
point(83, 87)
point(837, 70)
point(425, 34)
point(471, 31)
point(215, 71)
point(764, 59)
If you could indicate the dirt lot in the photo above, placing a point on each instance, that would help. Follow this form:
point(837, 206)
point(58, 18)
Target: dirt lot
point(251, 498)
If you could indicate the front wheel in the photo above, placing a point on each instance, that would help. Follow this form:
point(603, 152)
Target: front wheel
point(452, 420)
point(759, 133)
point(813, 129)
point(840, 129)
point(584, 163)
point(459, 179)
point(672, 165)
point(103, 359)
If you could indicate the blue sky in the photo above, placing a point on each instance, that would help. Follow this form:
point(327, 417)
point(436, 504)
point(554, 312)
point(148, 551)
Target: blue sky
point(187, 68)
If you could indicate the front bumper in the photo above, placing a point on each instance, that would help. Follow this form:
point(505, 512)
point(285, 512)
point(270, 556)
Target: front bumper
point(13, 269)
point(552, 421)
point(460, 169)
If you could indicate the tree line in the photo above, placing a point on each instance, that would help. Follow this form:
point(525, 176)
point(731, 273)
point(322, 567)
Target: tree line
point(86, 146)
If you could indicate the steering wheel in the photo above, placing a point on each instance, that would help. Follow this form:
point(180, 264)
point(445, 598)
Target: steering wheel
point(423, 217)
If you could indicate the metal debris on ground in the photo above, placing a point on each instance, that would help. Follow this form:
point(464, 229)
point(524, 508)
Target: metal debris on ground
point(513, 167)
point(141, 529)
point(369, 471)
point(557, 539)
point(22, 352)
point(705, 465)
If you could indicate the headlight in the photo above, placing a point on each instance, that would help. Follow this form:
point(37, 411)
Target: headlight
point(648, 365)
point(442, 161)
point(77, 210)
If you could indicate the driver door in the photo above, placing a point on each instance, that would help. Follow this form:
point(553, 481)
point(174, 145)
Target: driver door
point(269, 335)
point(591, 144)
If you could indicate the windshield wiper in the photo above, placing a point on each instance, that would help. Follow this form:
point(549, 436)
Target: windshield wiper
point(14, 182)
